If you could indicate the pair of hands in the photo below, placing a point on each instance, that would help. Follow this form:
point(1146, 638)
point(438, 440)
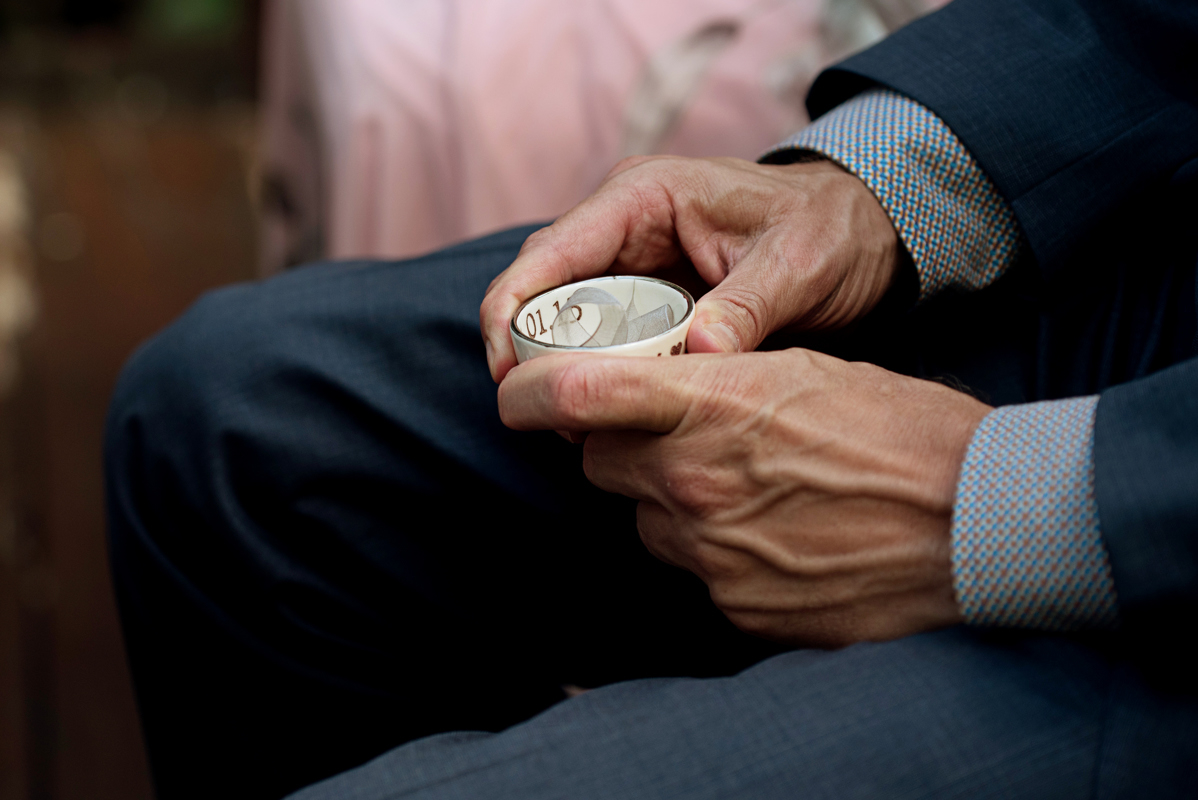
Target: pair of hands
point(812, 495)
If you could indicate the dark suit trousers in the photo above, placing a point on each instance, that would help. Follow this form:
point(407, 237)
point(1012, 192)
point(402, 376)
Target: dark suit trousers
point(325, 545)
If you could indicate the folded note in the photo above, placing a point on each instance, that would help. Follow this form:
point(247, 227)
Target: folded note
point(617, 324)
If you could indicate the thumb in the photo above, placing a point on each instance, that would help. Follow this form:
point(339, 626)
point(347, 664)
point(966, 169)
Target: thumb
point(734, 317)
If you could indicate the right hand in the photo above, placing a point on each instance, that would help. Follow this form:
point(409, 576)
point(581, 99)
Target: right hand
point(814, 496)
point(800, 246)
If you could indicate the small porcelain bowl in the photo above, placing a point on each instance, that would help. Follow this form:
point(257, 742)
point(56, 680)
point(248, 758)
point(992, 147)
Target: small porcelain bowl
point(532, 337)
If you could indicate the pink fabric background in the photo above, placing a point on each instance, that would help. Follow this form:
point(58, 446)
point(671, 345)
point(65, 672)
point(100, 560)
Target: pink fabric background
point(394, 128)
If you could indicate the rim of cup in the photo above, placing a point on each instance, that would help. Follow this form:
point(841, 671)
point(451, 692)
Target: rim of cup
point(515, 329)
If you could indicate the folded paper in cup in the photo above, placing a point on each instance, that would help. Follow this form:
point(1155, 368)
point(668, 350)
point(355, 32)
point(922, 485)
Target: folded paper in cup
point(603, 315)
point(617, 325)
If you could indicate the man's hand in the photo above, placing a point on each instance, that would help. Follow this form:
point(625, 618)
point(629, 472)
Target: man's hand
point(812, 495)
point(799, 246)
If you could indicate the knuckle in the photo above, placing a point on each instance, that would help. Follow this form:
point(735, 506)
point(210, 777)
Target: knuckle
point(486, 312)
point(647, 527)
point(537, 239)
point(681, 483)
point(751, 622)
point(572, 393)
point(497, 281)
point(690, 496)
point(692, 488)
point(831, 627)
point(666, 536)
point(750, 306)
point(657, 541)
point(647, 172)
point(593, 462)
point(815, 367)
point(494, 281)
point(832, 635)
point(628, 162)
point(631, 162)
point(658, 550)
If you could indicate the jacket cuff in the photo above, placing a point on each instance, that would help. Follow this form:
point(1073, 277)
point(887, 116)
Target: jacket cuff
point(1027, 544)
point(956, 227)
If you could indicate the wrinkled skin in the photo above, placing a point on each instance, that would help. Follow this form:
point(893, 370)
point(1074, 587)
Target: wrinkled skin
point(812, 495)
point(801, 246)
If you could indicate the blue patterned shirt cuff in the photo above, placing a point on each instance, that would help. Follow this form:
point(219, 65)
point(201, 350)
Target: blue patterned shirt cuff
point(957, 228)
point(1027, 543)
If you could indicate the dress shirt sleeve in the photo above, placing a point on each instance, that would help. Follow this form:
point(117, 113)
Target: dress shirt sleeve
point(1027, 545)
point(954, 224)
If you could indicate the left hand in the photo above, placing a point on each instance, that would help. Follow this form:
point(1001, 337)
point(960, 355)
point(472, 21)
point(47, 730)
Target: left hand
point(784, 247)
point(813, 496)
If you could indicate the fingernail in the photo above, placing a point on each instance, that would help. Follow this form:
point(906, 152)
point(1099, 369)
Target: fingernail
point(724, 336)
point(490, 355)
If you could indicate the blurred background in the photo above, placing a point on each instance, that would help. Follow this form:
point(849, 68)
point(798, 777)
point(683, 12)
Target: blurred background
point(126, 169)
point(153, 149)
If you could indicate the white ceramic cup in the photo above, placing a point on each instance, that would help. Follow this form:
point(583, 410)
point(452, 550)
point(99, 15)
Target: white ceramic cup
point(531, 326)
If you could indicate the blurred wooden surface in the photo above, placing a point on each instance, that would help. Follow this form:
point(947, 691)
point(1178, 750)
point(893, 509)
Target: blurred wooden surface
point(12, 708)
point(17, 309)
point(137, 205)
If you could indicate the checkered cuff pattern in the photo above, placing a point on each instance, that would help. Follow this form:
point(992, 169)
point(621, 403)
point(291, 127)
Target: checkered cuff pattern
point(1027, 545)
point(948, 214)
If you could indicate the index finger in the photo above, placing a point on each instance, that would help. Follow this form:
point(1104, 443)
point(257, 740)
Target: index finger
point(579, 392)
point(580, 245)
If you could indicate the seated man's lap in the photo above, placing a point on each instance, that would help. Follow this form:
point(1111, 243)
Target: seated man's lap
point(954, 713)
point(326, 543)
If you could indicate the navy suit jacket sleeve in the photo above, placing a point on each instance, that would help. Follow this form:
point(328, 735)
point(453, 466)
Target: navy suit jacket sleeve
point(1064, 108)
point(1080, 112)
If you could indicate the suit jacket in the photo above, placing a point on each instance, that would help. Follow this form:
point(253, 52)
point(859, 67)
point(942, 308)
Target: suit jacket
point(1084, 113)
